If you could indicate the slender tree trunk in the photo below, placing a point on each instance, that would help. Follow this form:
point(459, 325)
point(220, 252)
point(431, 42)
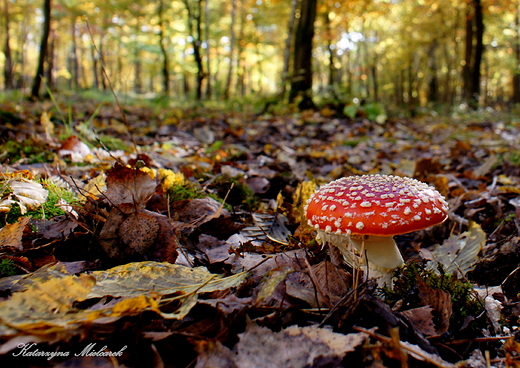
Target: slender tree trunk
point(73, 57)
point(474, 49)
point(433, 83)
point(138, 85)
point(232, 43)
point(207, 22)
point(195, 30)
point(49, 71)
point(287, 49)
point(332, 69)
point(165, 69)
point(8, 66)
point(516, 77)
point(102, 63)
point(301, 83)
point(468, 53)
point(95, 67)
point(37, 81)
point(479, 51)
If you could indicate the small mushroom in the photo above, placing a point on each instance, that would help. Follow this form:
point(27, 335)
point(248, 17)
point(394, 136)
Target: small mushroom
point(361, 214)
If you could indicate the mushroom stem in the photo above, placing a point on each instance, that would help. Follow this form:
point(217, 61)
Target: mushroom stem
point(381, 252)
point(381, 255)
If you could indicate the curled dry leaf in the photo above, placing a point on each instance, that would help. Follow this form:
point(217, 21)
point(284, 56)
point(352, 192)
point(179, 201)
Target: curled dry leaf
point(29, 195)
point(132, 187)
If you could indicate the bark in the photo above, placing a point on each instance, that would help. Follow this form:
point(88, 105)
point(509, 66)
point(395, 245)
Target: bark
point(433, 82)
point(516, 77)
point(232, 43)
point(474, 50)
point(195, 31)
point(165, 68)
point(8, 66)
point(301, 83)
point(95, 67)
point(73, 57)
point(287, 49)
point(479, 51)
point(208, 49)
point(37, 81)
point(49, 71)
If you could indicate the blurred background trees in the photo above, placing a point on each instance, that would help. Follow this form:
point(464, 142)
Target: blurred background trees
point(399, 52)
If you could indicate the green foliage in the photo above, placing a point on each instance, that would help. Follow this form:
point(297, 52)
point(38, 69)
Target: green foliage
point(465, 302)
point(7, 267)
point(374, 111)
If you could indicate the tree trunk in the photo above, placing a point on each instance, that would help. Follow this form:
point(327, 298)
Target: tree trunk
point(287, 49)
point(433, 83)
point(73, 58)
point(37, 81)
point(95, 68)
point(516, 77)
point(479, 51)
point(332, 69)
point(8, 66)
point(165, 69)
point(473, 52)
point(208, 49)
point(232, 42)
point(195, 31)
point(301, 82)
point(49, 71)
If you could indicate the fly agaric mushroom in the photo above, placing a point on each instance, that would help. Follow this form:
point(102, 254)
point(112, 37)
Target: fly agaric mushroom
point(367, 211)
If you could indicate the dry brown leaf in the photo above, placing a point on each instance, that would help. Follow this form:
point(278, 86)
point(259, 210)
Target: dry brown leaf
point(441, 303)
point(11, 234)
point(422, 319)
point(129, 187)
point(259, 347)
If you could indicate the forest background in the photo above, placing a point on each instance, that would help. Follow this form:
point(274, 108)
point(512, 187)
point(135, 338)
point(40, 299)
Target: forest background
point(397, 52)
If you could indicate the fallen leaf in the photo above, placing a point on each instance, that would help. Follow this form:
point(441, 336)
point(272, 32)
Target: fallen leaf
point(162, 278)
point(132, 187)
point(11, 234)
point(294, 346)
point(29, 195)
point(422, 319)
point(459, 253)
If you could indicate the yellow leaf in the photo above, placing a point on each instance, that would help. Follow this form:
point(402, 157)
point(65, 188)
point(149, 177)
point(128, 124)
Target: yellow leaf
point(162, 278)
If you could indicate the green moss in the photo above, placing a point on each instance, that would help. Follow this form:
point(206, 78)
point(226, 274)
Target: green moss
point(7, 267)
point(29, 150)
point(181, 192)
point(465, 303)
point(236, 192)
point(48, 210)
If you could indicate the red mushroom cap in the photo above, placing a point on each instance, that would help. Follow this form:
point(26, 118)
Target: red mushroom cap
point(382, 205)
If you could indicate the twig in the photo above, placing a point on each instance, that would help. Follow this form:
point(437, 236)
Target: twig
point(421, 354)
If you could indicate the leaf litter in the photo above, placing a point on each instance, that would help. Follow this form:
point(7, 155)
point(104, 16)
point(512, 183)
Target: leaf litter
point(195, 251)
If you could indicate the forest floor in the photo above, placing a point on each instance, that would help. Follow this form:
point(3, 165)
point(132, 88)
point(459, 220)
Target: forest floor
point(161, 237)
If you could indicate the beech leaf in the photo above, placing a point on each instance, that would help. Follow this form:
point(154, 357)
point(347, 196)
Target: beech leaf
point(162, 278)
point(460, 252)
